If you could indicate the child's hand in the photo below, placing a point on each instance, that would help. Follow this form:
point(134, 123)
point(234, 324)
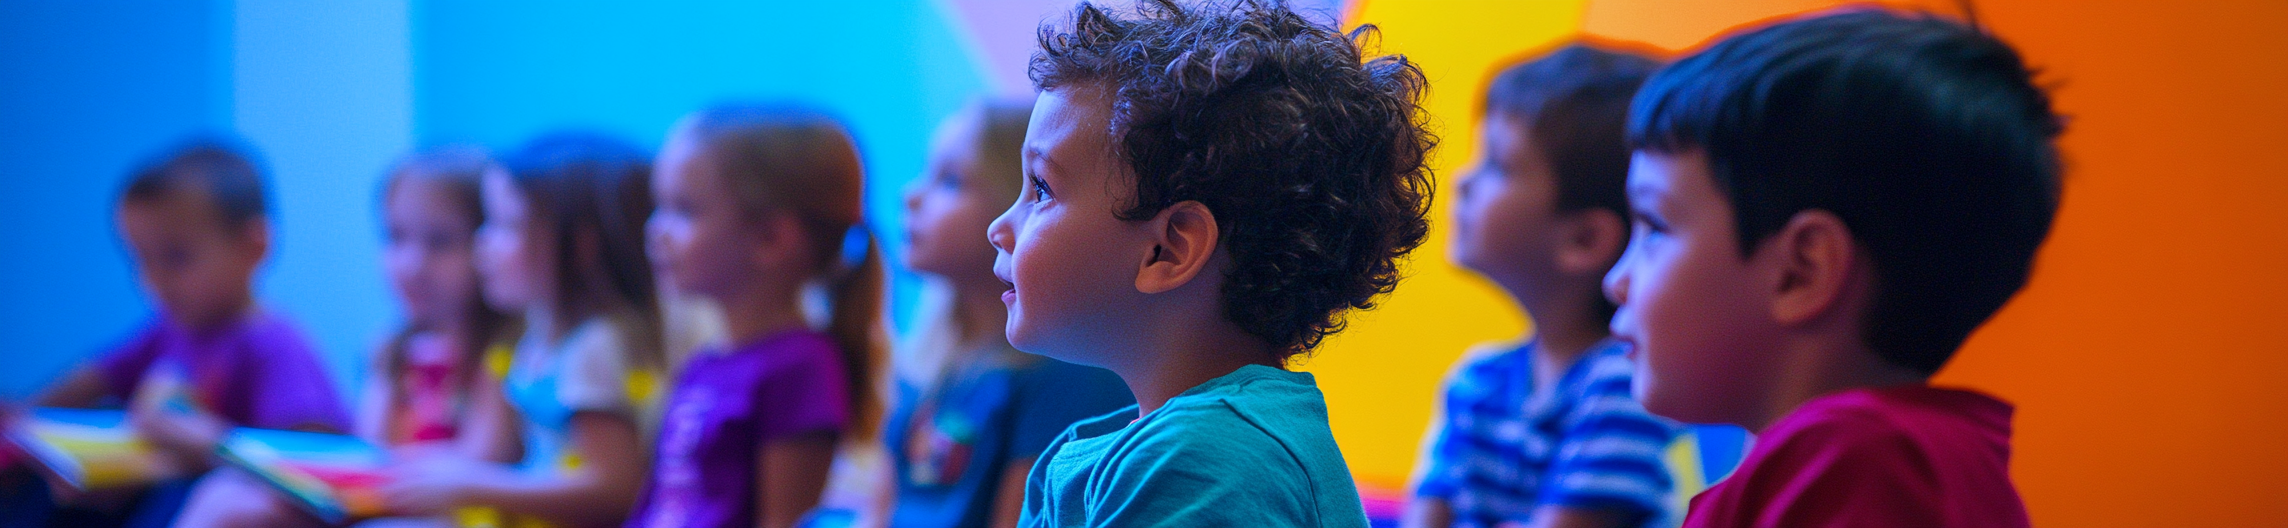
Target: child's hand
point(434, 485)
point(188, 436)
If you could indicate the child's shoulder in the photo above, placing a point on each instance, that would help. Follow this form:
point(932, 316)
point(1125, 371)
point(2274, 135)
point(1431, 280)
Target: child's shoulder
point(1916, 425)
point(1251, 413)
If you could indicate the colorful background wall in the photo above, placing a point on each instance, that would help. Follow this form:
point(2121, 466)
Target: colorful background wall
point(2150, 385)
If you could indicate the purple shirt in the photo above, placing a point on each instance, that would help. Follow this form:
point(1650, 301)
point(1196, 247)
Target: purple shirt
point(724, 407)
point(257, 372)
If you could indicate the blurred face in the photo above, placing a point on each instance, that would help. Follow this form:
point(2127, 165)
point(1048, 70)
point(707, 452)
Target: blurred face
point(1505, 210)
point(430, 254)
point(697, 238)
point(198, 270)
point(950, 206)
point(512, 250)
point(1688, 301)
point(1070, 263)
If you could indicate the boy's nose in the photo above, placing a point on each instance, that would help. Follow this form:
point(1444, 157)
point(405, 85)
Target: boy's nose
point(1617, 281)
point(999, 233)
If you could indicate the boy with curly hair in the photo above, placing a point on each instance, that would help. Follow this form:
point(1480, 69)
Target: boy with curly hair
point(1208, 190)
point(1825, 209)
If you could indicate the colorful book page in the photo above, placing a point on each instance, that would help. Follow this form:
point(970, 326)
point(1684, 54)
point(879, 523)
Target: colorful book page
point(87, 449)
point(336, 477)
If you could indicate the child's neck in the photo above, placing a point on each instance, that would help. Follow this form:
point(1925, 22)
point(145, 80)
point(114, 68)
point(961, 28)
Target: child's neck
point(1179, 360)
point(760, 311)
point(1817, 367)
point(238, 310)
point(1563, 329)
point(1559, 344)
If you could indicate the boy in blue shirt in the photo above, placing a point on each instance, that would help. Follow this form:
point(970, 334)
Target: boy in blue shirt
point(1209, 190)
point(1546, 433)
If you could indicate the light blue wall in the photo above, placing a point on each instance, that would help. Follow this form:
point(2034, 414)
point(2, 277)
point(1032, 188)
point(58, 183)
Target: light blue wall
point(87, 89)
point(330, 91)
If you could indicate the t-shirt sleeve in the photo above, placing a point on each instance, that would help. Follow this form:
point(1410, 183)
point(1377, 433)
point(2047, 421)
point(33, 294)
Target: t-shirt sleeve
point(1056, 394)
point(594, 375)
point(810, 394)
point(291, 390)
point(1611, 454)
point(1855, 471)
point(1214, 470)
point(122, 367)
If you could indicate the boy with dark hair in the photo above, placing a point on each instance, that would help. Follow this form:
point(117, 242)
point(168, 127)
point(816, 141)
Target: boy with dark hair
point(1544, 432)
point(1209, 189)
point(197, 224)
point(1825, 209)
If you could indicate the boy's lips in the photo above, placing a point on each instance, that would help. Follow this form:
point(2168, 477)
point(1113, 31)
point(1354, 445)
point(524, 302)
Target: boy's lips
point(1008, 295)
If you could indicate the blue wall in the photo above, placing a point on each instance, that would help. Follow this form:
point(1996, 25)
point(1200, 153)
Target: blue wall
point(332, 92)
point(86, 91)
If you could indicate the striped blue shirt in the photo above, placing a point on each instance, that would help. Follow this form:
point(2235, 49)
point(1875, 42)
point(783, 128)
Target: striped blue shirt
point(1497, 450)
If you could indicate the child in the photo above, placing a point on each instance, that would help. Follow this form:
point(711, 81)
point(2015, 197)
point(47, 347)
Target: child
point(561, 243)
point(1824, 210)
point(1209, 190)
point(1545, 433)
point(971, 412)
point(430, 388)
point(756, 204)
point(197, 223)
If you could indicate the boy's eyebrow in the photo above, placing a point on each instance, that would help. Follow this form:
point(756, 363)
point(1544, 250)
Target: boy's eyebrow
point(1035, 152)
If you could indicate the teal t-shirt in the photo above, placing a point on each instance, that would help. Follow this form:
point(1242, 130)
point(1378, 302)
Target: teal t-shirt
point(1250, 448)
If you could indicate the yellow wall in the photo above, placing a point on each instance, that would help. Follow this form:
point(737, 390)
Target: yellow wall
point(1381, 377)
point(2151, 380)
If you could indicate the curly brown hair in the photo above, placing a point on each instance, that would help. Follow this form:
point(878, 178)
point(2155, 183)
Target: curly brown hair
point(1311, 156)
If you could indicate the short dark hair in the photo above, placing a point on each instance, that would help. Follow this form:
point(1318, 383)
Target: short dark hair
point(1927, 137)
point(1309, 153)
point(1576, 99)
point(225, 171)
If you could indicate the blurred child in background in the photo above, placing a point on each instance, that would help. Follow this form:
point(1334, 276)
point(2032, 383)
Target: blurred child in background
point(434, 383)
point(430, 386)
point(971, 412)
point(759, 205)
point(562, 244)
point(1824, 210)
point(197, 224)
point(1544, 432)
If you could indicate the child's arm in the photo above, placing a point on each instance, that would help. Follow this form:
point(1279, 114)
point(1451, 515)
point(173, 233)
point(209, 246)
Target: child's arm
point(1009, 501)
point(790, 475)
point(489, 428)
point(374, 410)
point(83, 387)
point(600, 491)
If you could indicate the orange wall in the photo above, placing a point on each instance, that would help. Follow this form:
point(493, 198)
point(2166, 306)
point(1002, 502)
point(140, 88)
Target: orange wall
point(2150, 391)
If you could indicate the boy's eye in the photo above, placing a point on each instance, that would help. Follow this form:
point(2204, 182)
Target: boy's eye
point(949, 179)
point(1040, 189)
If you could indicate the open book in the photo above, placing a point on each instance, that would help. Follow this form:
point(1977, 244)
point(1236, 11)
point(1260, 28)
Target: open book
point(335, 477)
point(87, 449)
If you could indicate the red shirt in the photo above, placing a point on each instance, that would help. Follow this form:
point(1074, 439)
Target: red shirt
point(1895, 456)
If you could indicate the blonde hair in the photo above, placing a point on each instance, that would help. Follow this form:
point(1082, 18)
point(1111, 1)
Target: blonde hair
point(935, 345)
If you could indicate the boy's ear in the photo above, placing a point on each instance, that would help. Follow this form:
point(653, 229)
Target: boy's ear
point(254, 239)
point(1184, 237)
point(1593, 240)
point(1817, 266)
